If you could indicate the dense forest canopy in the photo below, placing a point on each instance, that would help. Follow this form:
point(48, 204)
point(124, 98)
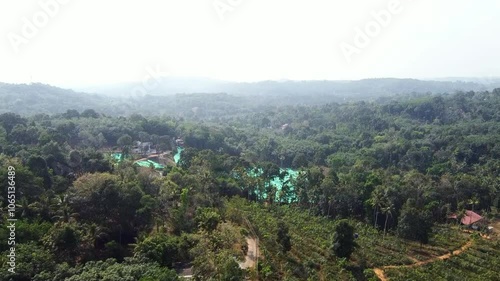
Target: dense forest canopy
point(371, 174)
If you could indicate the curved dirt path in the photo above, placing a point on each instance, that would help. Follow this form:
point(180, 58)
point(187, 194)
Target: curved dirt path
point(379, 271)
point(252, 254)
point(380, 274)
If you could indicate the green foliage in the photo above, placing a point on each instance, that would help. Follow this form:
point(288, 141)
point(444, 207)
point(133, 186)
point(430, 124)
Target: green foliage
point(283, 238)
point(160, 248)
point(230, 270)
point(31, 259)
point(125, 140)
point(414, 223)
point(104, 199)
point(216, 253)
point(207, 219)
point(110, 270)
point(343, 239)
point(65, 241)
point(26, 231)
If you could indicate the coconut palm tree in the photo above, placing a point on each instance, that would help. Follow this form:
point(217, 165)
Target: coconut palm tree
point(376, 199)
point(387, 210)
point(473, 202)
point(64, 214)
point(97, 234)
point(62, 210)
point(43, 207)
point(27, 208)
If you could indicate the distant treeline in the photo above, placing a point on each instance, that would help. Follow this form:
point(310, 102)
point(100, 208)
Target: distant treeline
point(214, 100)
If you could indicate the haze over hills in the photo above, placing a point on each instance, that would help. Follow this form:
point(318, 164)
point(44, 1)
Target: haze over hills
point(27, 99)
point(346, 88)
point(188, 96)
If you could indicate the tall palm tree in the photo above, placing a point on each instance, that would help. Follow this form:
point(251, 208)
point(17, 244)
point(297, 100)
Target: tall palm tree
point(387, 210)
point(376, 202)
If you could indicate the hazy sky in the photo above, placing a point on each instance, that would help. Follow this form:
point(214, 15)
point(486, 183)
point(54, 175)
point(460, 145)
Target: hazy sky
point(79, 42)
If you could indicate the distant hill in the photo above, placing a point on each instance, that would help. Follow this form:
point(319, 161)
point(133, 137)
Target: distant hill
point(205, 98)
point(27, 99)
point(350, 89)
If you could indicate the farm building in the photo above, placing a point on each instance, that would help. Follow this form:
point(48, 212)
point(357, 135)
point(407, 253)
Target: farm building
point(469, 218)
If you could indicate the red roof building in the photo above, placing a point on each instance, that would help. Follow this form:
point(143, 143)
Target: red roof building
point(470, 218)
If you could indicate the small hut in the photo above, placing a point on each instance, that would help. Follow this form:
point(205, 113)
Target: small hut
point(470, 219)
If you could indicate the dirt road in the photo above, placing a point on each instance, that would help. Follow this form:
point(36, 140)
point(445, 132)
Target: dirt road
point(252, 254)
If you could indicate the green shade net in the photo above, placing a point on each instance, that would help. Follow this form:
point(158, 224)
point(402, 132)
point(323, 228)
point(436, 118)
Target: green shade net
point(148, 163)
point(117, 157)
point(177, 156)
point(276, 182)
point(143, 163)
point(279, 183)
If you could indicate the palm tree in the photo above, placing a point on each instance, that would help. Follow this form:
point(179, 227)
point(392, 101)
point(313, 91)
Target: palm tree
point(64, 214)
point(388, 212)
point(461, 213)
point(44, 205)
point(473, 201)
point(282, 157)
point(376, 203)
point(26, 207)
point(97, 234)
point(62, 210)
point(497, 199)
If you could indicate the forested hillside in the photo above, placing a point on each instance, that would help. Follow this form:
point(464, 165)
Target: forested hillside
point(201, 99)
point(377, 184)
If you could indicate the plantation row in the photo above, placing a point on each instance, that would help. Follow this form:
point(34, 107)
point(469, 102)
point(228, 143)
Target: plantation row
point(479, 263)
point(311, 256)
